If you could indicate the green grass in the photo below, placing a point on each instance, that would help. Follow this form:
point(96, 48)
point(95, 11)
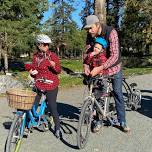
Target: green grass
point(67, 81)
point(76, 66)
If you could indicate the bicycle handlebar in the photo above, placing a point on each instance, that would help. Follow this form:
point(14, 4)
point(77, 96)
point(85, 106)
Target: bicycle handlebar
point(89, 80)
point(44, 80)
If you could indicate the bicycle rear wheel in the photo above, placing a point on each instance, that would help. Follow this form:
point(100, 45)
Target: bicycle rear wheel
point(126, 94)
point(136, 99)
point(84, 125)
point(15, 134)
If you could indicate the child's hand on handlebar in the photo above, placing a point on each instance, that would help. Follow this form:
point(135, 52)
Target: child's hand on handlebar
point(96, 70)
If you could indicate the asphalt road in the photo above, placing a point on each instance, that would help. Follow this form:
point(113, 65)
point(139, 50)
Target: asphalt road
point(109, 139)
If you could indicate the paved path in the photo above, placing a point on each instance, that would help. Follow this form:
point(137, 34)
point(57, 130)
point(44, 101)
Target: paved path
point(107, 140)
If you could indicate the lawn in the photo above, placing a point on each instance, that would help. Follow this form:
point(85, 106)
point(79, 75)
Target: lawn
point(76, 66)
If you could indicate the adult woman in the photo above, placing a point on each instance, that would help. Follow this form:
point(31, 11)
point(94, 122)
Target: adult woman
point(45, 69)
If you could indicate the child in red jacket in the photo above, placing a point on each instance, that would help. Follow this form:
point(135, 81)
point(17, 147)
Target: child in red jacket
point(94, 59)
point(98, 57)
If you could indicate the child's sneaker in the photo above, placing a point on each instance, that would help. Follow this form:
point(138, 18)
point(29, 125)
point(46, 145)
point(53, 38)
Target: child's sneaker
point(97, 126)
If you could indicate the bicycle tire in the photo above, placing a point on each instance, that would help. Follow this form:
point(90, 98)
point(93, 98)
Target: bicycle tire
point(111, 108)
point(14, 132)
point(85, 119)
point(132, 97)
point(136, 99)
point(126, 94)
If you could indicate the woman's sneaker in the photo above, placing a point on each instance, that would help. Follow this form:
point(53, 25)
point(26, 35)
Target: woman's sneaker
point(97, 126)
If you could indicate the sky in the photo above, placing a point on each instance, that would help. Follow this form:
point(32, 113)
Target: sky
point(78, 5)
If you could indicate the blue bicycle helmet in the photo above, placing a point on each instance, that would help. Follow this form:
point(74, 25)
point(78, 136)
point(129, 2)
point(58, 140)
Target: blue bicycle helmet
point(102, 42)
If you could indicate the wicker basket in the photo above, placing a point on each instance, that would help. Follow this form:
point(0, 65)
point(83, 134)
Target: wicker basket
point(20, 99)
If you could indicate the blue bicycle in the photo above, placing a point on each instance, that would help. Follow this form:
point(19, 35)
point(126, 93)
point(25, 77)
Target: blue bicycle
point(26, 118)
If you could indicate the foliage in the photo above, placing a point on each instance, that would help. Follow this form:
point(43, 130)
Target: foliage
point(137, 26)
point(114, 12)
point(87, 10)
point(19, 21)
point(74, 65)
point(61, 21)
point(67, 38)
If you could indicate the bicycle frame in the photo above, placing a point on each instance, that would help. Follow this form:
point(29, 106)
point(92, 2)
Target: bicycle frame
point(91, 104)
point(96, 103)
point(23, 115)
point(27, 119)
point(33, 115)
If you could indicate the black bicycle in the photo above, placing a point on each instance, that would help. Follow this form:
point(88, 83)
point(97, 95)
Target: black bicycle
point(132, 96)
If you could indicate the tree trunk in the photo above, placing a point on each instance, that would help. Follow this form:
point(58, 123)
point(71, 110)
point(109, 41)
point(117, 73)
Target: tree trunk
point(6, 62)
point(0, 51)
point(100, 10)
point(5, 53)
point(117, 14)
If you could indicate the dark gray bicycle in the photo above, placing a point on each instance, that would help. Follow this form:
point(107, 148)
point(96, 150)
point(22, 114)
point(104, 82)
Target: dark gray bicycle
point(132, 96)
point(104, 107)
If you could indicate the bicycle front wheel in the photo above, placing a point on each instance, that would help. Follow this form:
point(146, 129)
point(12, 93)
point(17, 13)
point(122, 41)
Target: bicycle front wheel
point(15, 134)
point(84, 125)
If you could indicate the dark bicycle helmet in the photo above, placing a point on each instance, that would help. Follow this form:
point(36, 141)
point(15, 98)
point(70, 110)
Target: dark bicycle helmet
point(102, 42)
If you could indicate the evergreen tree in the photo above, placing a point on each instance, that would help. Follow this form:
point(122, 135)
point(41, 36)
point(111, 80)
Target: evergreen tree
point(19, 21)
point(61, 24)
point(114, 12)
point(88, 9)
point(136, 26)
